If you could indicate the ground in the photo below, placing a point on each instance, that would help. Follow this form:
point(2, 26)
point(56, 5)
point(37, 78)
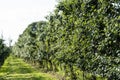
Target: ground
point(17, 69)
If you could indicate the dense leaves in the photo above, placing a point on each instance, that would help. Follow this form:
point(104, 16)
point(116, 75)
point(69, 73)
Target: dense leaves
point(4, 52)
point(78, 35)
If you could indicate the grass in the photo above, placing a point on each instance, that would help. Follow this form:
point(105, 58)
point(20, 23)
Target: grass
point(17, 69)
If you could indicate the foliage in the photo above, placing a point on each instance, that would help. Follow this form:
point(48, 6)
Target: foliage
point(4, 52)
point(82, 35)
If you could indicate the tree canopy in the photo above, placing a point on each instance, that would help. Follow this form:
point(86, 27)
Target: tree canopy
point(78, 35)
point(4, 51)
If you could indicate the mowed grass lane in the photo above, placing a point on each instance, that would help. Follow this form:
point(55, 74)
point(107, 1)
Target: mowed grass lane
point(16, 69)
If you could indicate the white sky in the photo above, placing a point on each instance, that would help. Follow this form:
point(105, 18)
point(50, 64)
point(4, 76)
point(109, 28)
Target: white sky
point(16, 15)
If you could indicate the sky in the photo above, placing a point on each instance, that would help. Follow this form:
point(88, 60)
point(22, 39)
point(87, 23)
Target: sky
point(16, 15)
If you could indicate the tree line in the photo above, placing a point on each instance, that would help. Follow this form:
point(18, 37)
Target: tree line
point(4, 52)
point(79, 35)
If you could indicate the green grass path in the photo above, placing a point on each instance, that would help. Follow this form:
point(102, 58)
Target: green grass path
point(17, 69)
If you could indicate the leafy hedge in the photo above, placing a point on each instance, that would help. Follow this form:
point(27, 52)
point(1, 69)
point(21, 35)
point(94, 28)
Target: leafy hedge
point(78, 35)
point(4, 52)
